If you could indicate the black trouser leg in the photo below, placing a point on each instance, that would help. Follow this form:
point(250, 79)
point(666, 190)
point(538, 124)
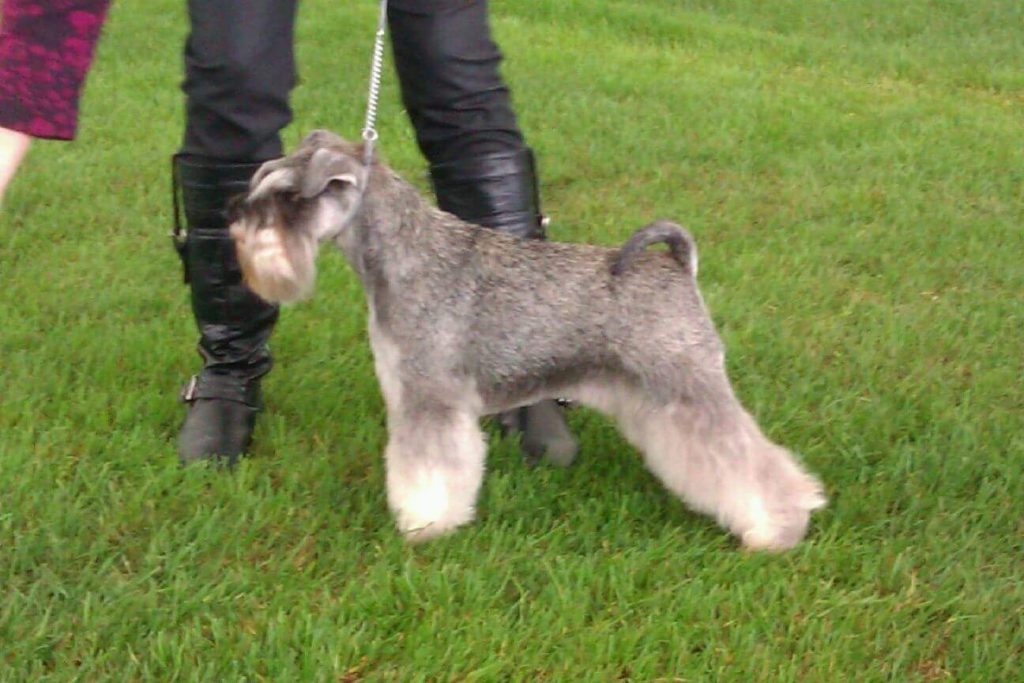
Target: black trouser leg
point(480, 166)
point(448, 67)
point(239, 70)
point(461, 109)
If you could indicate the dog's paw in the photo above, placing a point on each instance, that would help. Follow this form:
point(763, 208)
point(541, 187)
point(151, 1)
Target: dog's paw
point(427, 511)
point(776, 538)
point(785, 528)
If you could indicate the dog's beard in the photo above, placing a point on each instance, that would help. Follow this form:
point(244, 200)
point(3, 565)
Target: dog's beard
point(278, 265)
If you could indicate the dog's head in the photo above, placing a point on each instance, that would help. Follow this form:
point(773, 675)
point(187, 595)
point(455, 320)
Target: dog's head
point(293, 205)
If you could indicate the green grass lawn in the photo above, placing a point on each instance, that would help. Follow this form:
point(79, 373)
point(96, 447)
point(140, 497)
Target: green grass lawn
point(853, 172)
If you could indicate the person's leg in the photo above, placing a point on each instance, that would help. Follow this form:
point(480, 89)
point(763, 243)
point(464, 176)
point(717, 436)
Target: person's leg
point(13, 146)
point(239, 71)
point(46, 50)
point(480, 166)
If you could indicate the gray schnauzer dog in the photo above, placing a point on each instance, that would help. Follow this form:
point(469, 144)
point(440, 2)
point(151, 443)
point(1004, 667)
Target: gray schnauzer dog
point(466, 322)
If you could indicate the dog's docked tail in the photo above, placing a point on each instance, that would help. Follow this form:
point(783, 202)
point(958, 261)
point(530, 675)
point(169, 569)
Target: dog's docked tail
point(680, 245)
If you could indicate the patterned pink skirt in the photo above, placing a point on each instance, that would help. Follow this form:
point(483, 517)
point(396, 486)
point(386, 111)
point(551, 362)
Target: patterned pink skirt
point(46, 48)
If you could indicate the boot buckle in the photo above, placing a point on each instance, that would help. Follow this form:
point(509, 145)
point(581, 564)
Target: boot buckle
point(188, 393)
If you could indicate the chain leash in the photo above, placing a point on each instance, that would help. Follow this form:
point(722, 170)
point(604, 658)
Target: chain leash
point(373, 97)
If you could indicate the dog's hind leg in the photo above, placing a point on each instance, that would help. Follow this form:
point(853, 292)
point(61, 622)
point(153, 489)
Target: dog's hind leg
point(435, 464)
point(718, 461)
point(711, 453)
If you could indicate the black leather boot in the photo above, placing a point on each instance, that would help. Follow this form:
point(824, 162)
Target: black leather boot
point(499, 191)
point(234, 324)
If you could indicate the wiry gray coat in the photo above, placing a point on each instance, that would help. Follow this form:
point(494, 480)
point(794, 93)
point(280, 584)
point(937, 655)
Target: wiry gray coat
point(466, 322)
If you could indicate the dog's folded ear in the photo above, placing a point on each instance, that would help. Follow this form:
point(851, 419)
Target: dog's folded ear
point(272, 177)
point(328, 165)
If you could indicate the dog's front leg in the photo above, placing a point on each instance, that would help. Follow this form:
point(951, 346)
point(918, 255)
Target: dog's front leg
point(435, 464)
point(435, 452)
